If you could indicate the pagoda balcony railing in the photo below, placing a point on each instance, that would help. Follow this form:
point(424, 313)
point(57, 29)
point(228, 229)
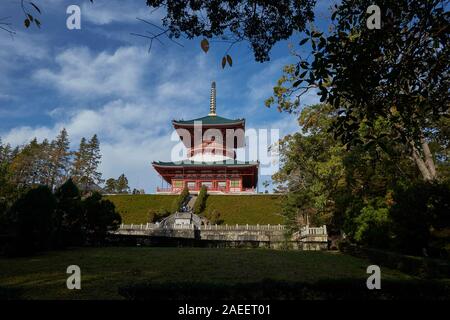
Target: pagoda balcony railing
point(216, 189)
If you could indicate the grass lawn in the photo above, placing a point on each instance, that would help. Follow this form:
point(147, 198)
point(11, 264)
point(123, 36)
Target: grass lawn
point(234, 209)
point(103, 270)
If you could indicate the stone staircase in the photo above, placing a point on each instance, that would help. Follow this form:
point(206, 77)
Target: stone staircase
point(191, 201)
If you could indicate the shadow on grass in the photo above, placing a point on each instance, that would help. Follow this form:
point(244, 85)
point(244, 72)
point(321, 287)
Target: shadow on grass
point(344, 289)
point(10, 293)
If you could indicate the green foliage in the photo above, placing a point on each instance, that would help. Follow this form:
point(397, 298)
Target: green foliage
point(373, 227)
point(100, 217)
point(418, 210)
point(261, 23)
point(200, 203)
point(122, 184)
point(68, 217)
point(85, 166)
point(180, 200)
point(366, 77)
point(110, 186)
point(31, 221)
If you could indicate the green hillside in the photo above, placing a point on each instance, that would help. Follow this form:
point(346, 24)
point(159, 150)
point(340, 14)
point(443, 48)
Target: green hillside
point(240, 209)
point(135, 208)
point(234, 209)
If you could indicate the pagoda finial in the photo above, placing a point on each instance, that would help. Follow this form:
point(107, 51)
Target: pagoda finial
point(212, 102)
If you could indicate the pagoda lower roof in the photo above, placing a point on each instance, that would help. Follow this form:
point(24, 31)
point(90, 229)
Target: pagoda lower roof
point(209, 120)
point(189, 163)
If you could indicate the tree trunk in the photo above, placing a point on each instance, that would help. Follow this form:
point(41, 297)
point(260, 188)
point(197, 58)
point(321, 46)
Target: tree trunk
point(425, 163)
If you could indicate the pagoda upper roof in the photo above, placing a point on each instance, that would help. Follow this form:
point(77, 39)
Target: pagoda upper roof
point(210, 120)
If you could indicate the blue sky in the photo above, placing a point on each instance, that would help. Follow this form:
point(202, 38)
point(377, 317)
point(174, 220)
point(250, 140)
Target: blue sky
point(102, 80)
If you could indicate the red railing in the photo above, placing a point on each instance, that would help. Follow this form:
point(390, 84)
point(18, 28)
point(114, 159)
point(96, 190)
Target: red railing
point(218, 189)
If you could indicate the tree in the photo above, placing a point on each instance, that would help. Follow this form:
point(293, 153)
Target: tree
point(85, 167)
point(68, 217)
point(100, 218)
point(79, 165)
point(180, 200)
point(266, 185)
point(200, 203)
point(94, 159)
point(399, 73)
point(418, 210)
point(59, 159)
point(111, 185)
point(31, 220)
point(262, 23)
point(122, 184)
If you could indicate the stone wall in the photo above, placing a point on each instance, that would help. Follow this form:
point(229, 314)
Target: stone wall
point(231, 236)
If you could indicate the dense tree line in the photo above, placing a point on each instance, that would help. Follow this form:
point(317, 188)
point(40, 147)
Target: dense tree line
point(47, 196)
point(49, 163)
point(40, 220)
point(373, 197)
point(118, 186)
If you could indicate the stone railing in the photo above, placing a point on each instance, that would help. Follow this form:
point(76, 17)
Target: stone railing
point(239, 227)
point(222, 227)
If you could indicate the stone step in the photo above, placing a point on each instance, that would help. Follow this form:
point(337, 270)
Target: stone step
point(192, 201)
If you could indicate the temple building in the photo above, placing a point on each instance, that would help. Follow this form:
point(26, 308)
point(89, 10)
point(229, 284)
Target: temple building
point(211, 143)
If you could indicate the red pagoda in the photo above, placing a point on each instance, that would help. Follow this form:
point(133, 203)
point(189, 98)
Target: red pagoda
point(211, 144)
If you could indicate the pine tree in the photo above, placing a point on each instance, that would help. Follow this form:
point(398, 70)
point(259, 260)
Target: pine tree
point(111, 185)
point(80, 163)
point(94, 158)
point(59, 159)
point(87, 159)
point(122, 184)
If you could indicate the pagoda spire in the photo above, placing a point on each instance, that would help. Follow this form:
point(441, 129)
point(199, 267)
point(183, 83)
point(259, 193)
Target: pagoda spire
point(212, 102)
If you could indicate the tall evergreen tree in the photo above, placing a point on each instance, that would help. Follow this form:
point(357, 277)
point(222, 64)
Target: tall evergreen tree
point(85, 167)
point(110, 185)
point(80, 162)
point(59, 159)
point(122, 184)
point(94, 158)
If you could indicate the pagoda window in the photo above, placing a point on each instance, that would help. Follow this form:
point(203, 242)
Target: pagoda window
point(191, 184)
point(178, 183)
point(235, 183)
point(207, 184)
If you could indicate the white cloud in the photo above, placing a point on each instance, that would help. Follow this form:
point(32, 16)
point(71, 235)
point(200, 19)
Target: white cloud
point(82, 73)
point(142, 98)
point(130, 138)
point(103, 12)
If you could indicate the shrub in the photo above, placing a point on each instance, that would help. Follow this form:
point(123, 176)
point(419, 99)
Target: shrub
point(200, 203)
point(31, 221)
point(68, 218)
point(373, 227)
point(100, 217)
point(418, 209)
point(180, 200)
